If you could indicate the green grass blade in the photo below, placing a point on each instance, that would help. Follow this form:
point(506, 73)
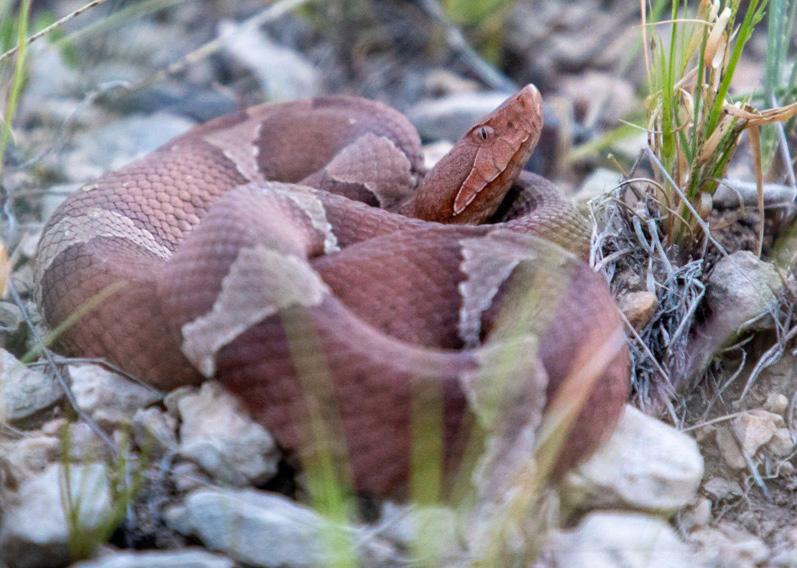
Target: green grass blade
point(17, 80)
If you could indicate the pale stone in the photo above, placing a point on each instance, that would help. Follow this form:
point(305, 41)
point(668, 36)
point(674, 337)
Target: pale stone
point(777, 403)
point(741, 288)
point(110, 399)
point(720, 488)
point(698, 515)
point(616, 539)
point(746, 434)
point(645, 465)
point(35, 527)
point(258, 528)
point(218, 435)
point(598, 183)
point(729, 547)
point(729, 448)
point(755, 428)
point(781, 443)
point(186, 558)
point(639, 307)
point(154, 431)
point(26, 394)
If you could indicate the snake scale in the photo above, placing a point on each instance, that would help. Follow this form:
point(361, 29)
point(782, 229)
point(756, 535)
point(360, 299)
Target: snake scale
point(298, 253)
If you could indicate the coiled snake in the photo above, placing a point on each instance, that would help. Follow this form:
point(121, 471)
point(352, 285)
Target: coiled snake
point(298, 253)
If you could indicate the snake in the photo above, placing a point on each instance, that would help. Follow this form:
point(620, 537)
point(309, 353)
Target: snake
point(300, 254)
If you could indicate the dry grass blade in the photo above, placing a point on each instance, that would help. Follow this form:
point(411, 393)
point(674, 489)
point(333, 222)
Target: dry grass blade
point(758, 117)
point(755, 148)
point(5, 269)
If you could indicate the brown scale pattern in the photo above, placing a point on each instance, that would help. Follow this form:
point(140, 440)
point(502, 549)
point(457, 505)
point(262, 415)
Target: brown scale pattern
point(384, 329)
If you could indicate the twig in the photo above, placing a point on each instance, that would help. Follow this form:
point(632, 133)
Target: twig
point(64, 384)
point(754, 472)
point(102, 363)
point(716, 420)
point(51, 27)
point(769, 358)
point(456, 41)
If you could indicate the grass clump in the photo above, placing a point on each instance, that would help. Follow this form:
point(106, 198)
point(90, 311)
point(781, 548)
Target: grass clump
point(665, 228)
point(692, 126)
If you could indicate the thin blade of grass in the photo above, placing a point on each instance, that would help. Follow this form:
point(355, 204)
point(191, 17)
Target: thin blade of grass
point(17, 81)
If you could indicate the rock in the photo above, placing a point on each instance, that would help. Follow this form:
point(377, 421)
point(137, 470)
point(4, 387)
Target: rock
point(598, 184)
point(110, 399)
point(614, 539)
point(23, 279)
point(741, 288)
point(188, 476)
point(172, 399)
point(585, 37)
point(639, 307)
point(729, 449)
point(597, 94)
point(83, 443)
point(645, 465)
point(141, 43)
point(26, 395)
point(746, 434)
point(698, 515)
point(119, 143)
point(443, 81)
point(784, 559)
point(48, 75)
point(258, 528)
point(755, 428)
point(405, 526)
point(10, 323)
point(186, 558)
point(434, 151)
point(284, 74)
point(728, 547)
point(777, 403)
point(28, 244)
point(31, 455)
point(782, 443)
point(154, 431)
point(223, 439)
point(178, 98)
point(719, 488)
point(35, 527)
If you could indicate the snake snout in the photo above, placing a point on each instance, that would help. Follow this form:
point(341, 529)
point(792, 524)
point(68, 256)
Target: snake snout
point(530, 97)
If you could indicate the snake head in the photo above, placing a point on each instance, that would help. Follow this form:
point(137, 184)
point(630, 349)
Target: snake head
point(468, 184)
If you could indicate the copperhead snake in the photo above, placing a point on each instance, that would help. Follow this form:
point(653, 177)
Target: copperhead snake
point(300, 246)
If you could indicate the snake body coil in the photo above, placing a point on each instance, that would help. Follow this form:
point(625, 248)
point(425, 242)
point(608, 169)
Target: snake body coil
point(298, 253)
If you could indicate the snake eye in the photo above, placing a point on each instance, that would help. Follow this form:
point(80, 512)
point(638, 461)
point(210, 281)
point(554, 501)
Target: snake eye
point(484, 133)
